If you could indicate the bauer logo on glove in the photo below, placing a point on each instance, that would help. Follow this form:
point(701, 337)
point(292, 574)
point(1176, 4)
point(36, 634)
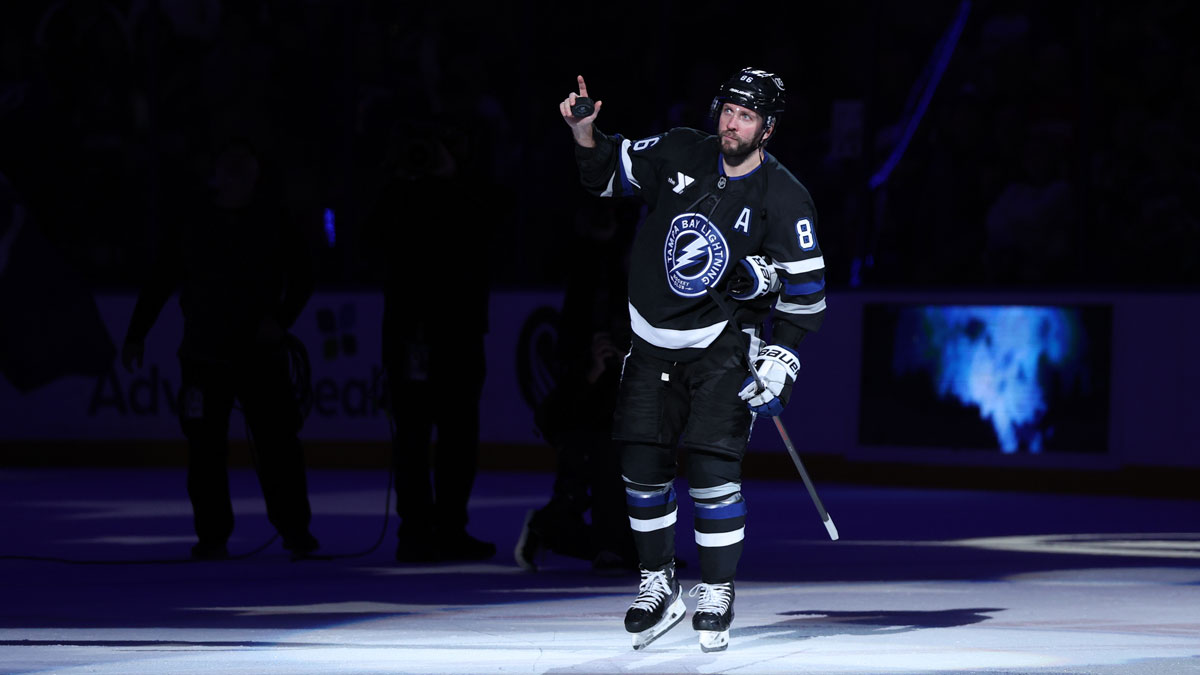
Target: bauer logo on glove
point(753, 277)
point(776, 367)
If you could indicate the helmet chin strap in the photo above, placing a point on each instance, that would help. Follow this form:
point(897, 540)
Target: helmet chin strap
point(767, 133)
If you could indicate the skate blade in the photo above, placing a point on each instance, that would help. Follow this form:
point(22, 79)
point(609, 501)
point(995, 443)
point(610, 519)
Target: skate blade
point(713, 640)
point(671, 619)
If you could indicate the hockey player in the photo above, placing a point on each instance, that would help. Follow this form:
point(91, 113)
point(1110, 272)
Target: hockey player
point(726, 220)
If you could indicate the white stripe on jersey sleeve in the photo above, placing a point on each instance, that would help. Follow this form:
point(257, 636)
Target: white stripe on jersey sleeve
point(802, 266)
point(627, 163)
point(670, 338)
point(625, 168)
point(800, 309)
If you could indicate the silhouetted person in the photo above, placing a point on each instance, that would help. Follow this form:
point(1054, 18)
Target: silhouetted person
point(244, 274)
point(424, 231)
point(576, 416)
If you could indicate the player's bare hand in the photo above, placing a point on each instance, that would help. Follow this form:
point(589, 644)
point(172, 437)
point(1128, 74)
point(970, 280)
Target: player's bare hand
point(581, 127)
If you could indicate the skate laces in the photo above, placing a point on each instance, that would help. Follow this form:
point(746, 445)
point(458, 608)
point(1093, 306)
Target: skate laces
point(654, 587)
point(714, 598)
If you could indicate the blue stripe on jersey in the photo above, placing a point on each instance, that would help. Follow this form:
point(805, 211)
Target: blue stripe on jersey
point(803, 289)
point(647, 499)
point(720, 511)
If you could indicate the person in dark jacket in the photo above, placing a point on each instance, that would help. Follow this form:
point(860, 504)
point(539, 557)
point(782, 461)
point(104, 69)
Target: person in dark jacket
point(432, 211)
point(244, 273)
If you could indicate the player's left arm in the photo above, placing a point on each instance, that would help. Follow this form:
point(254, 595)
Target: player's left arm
point(792, 245)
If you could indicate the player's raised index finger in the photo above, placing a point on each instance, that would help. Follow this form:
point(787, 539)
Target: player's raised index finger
point(582, 86)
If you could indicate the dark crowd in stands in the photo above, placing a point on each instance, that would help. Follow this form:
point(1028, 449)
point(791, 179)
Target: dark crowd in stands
point(1059, 148)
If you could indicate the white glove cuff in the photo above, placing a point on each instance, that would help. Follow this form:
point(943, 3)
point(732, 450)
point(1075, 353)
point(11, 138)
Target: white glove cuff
point(784, 357)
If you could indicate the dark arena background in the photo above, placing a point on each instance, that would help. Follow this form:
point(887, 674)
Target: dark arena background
point(1001, 411)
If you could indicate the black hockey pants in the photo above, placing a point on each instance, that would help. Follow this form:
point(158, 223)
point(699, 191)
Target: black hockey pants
point(694, 405)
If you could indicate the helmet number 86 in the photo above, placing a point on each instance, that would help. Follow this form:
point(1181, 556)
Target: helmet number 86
point(805, 234)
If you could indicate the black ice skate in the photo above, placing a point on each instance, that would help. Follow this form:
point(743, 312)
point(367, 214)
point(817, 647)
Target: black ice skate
point(657, 608)
point(714, 613)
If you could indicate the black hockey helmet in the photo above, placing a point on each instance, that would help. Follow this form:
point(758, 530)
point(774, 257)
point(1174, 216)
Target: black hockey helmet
point(755, 89)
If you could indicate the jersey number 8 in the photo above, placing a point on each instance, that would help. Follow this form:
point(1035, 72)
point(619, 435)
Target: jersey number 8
point(805, 234)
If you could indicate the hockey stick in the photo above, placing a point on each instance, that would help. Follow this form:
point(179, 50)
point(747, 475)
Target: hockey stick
point(787, 440)
point(812, 491)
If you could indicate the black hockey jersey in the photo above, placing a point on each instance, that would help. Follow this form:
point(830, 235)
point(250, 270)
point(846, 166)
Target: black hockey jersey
point(700, 224)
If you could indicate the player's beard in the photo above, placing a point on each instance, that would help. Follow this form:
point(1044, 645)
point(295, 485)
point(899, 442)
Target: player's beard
point(740, 151)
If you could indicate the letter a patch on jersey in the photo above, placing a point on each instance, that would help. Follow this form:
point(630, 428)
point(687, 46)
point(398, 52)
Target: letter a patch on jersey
point(683, 181)
point(743, 221)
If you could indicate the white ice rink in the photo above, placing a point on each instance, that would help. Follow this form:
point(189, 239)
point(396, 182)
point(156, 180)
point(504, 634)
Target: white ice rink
point(1075, 596)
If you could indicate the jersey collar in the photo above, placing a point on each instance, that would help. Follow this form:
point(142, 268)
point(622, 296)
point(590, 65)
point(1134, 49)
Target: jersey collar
point(721, 167)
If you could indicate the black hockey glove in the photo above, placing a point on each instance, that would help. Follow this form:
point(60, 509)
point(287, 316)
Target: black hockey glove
point(753, 277)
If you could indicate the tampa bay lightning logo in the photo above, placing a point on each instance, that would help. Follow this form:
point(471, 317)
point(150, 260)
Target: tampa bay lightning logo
point(695, 254)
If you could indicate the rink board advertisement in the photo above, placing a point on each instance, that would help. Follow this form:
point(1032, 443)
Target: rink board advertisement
point(1117, 377)
point(342, 332)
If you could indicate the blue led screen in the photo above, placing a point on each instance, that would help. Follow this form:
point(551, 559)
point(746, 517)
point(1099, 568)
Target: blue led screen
point(1012, 379)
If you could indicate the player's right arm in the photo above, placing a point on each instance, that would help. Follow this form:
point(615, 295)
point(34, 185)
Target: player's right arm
point(612, 166)
point(595, 152)
point(582, 128)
